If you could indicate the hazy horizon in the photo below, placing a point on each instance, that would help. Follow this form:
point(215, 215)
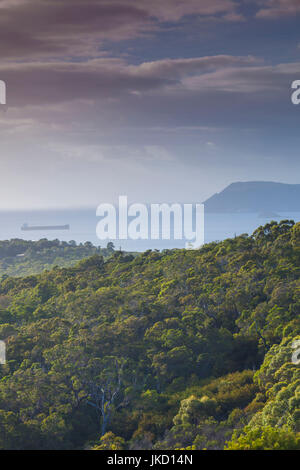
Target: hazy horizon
point(115, 200)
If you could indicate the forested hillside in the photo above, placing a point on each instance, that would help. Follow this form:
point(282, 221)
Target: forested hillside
point(21, 257)
point(174, 350)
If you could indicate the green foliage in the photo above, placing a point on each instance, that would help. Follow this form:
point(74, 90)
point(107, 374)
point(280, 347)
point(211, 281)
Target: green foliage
point(22, 258)
point(110, 442)
point(182, 348)
point(265, 438)
point(280, 378)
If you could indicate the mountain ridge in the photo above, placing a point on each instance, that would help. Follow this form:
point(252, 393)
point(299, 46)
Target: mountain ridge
point(255, 196)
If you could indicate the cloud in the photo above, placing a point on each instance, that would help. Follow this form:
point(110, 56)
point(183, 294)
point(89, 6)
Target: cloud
point(39, 28)
point(272, 9)
point(105, 100)
point(172, 69)
point(39, 83)
point(100, 153)
point(174, 10)
point(56, 28)
point(255, 79)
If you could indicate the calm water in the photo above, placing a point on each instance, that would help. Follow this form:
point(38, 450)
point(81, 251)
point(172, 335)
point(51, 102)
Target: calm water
point(83, 227)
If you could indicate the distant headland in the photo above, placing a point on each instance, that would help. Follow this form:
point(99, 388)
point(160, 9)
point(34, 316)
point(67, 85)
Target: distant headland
point(262, 197)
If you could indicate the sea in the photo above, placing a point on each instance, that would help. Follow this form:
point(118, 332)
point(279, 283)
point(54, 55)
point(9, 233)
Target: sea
point(83, 224)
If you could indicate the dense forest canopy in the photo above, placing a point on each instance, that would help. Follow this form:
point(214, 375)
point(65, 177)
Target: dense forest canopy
point(21, 257)
point(181, 349)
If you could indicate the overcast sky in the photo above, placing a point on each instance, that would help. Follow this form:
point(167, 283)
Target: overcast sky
point(161, 100)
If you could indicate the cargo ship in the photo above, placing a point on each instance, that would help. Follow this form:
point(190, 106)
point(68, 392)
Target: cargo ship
point(27, 228)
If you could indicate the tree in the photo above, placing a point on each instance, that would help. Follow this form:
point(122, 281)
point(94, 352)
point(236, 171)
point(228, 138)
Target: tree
point(105, 395)
point(110, 247)
point(264, 438)
point(110, 441)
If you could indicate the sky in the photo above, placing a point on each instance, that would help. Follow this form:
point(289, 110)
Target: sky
point(162, 101)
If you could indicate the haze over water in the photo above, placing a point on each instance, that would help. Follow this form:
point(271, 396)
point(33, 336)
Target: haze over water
point(83, 224)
